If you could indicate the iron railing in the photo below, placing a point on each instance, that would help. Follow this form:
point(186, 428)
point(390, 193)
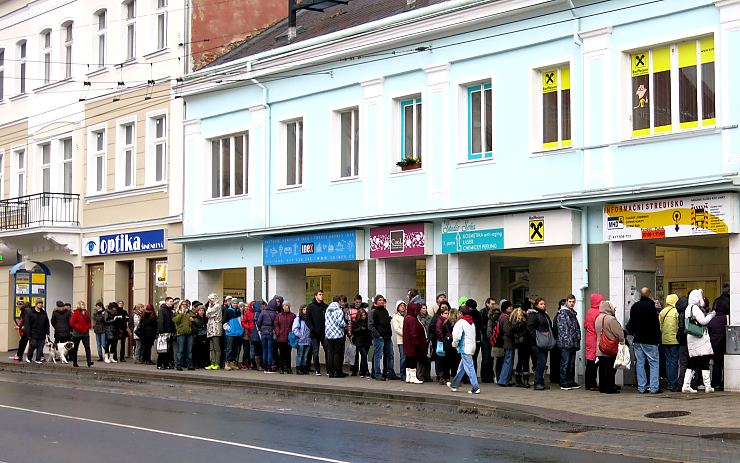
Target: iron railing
point(40, 209)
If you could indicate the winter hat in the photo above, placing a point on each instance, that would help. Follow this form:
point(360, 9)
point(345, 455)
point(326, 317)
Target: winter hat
point(398, 304)
point(596, 299)
point(377, 298)
point(471, 303)
point(461, 301)
point(505, 305)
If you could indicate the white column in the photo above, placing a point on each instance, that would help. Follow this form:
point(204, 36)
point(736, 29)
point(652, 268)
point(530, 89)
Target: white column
point(431, 287)
point(576, 273)
point(209, 281)
point(288, 281)
point(373, 123)
point(250, 284)
point(396, 278)
point(732, 362)
point(469, 276)
point(362, 276)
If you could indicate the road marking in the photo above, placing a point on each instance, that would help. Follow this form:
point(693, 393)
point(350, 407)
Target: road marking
point(175, 434)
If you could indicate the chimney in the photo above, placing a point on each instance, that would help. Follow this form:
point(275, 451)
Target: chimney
point(410, 4)
point(292, 32)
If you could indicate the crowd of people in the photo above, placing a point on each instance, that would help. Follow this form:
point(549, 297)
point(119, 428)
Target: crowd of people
point(672, 343)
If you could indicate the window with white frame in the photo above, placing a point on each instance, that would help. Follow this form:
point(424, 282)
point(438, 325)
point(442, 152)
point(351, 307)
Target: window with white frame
point(126, 173)
point(293, 152)
point(67, 40)
point(411, 128)
point(480, 121)
point(2, 74)
point(101, 36)
point(2, 175)
point(230, 165)
point(45, 152)
point(21, 53)
point(46, 54)
point(130, 15)
point(556, 116)
point(673, 87)
point(157, 133)
point(349, 142)
point(66, 146)
point(19, 175)
point(161, 24)
point(97, 161)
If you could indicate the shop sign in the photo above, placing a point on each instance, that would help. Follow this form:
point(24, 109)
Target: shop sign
point(335, 246)
point(124, 243)
point(513, 231)
point(713, 214)
point(161, 270)
point(412, 239)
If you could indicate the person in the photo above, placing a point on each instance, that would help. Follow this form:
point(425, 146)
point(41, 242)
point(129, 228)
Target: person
point(522, 344)
point(248, 323)
point(266, 326)
point(148, 331)
point(441, 297)
point(301, 331)
point(184, 319)
point(99, 329)
point(480, 328)
point(555, 352)
point(121, 331)
point(414, 340)
point(440, 365)
point(424, 367)
point(37, 326)
point(539, 322)
point(397, 325)
point(504, 340)
point(668, 318)
point(607, 323)
point(316, 321)
point(166, 326)
point(591, 341)
point(683, 349)
point(569, 341)
point(452, 355)
point(200, 337)
point(351, 315)
point(379, 325)
point(486, 363)
point(283, 326)
point(60, 322)
point(20, 354)
point(463, 340)
point(80, 325)
point(214, 330)
point(644, 325)
point(109, 320)
point(335, 327)
point(136, 321)
point(255, 339)
point(717, 334)
point(700, 347)
point(233, 334)
point(362, 339)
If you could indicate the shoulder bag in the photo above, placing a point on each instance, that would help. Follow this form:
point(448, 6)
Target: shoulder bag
point(545, 339)
point(608, 346)
point(694, 328)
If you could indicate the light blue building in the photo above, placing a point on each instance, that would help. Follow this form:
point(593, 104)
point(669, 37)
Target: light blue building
point(562, 147)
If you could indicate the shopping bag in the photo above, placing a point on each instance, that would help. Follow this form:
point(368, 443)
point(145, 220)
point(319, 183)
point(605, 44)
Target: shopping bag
point(623, 360)
point(163, 343)
point(440, 349)
point(349, 353)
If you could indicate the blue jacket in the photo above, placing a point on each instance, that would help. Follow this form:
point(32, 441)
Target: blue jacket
point(266, 321)
point(569, 330)
point(335, 323)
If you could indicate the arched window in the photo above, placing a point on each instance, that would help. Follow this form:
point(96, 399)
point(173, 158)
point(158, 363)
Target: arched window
point(45, 46)
point(20, 48)
point(101, 36)
point(67, 41)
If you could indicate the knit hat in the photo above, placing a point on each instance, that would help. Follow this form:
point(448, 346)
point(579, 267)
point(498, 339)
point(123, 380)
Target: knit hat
point(505, 305)
point(471, 304)
point(461, 301)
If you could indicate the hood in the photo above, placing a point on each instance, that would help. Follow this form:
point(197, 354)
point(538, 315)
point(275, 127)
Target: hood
point(696, 297)
point(722, 305)
point(275, 303)
point(63, 308)
point(334, 306)
point(606, 307)
point(682, 303)
point(417, 300)
point(398, 304)
point(257, 306)
point(670, 300)
point(412, 310)
point(596, 300)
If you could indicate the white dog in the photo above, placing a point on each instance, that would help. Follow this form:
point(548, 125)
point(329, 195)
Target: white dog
point(59, 351)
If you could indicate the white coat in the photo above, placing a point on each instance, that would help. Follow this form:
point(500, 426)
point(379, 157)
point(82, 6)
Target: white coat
point(467, 328)
point(698, 346)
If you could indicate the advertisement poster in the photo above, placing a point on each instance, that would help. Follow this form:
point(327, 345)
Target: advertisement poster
point(404, 240)
point(161, 274)
point(335, 246)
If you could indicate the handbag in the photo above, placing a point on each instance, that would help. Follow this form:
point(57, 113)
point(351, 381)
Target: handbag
point(293, 340)
point(545, 340)
point(163, 344)
point(349, 353)
point(623, 360)
point(440, 349)
point(608, 346)
point(694, 328)
point(498, 352)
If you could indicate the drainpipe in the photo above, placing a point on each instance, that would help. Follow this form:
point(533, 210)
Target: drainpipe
point(292, 20)
point(268, 144)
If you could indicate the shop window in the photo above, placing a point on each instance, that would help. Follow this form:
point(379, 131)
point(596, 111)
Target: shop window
point(480, 121)
point(658, 104)
point(158, 279)
point(94, 285)
point(230, 165)
point(349, 142)
point(556, 116)
point(293, 153)
point(411, 128)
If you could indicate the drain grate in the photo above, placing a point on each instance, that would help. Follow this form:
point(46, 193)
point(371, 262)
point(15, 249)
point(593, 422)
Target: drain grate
point(668, 414)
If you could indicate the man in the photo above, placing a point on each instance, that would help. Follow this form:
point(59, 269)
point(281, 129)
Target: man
point(184, 319)
point(165, 325)
point(316, 322)
point(441, 297)
point(486, 363)
point(380, 329)
point(668, 318)
point(37, 329)
point(335, 329)
point(569, 341)
point(645, 327)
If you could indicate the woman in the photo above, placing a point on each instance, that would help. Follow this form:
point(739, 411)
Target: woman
point(109, 321)
point(424, 363)
point(397, 326)
point(136, 316)
point(539, 322)
point(592, 342)
point(148, 331)
point(452, 356)
point(60, 322)
point(81, 324)
point(121, 326)
point(200, 342)
point(248, 325)
point(362, 339)
point(414, 342)
point(99, 329)
point(266, 326)
point(700, 347)
point(184, 319)
point(233, 334)
point(283, 326)
point(440, 365)
point(301, 331)
point(214, 331)
point(520, 336)
point(607, 324)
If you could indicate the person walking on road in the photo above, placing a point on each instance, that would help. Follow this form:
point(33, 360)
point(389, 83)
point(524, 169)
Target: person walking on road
point(668, 318)
point(316, 321)
point(463, 339)
point(80, 325)
point(592, 341)
point(644, 325)
point(700, 347)
point(607, 325)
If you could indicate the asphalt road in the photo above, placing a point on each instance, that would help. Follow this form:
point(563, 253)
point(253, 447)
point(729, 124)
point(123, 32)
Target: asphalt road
point(44, 423)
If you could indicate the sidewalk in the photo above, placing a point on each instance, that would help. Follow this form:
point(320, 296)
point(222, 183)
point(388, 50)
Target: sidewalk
point(709, 414)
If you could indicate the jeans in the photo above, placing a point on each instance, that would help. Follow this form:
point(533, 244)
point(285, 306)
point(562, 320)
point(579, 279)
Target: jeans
point(384, 347)
point(267, 349)
point(466, 367)
point(402, 363)
point(567, 366)
point(539, 372)
point(184, 351)
point(647, 352)
point(100, 341)
point(361, 364)
point(315, 343)
point(86, 344)
point(507, 367)
point(232, 347)
point(301, 356)
point(35, 345)
point(671, 365)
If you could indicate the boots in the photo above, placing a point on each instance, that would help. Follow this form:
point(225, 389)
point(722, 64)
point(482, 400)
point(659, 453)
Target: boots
point(411, 376)
point(707, 377)
point(106, 358)
point(518, 380)
point(227, 366)
point(112, 359)
point(525, 380)
point(408, 376)
point(258, 363)
point(687, 382)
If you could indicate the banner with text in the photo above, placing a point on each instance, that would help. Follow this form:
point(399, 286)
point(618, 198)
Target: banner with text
point(411, 239)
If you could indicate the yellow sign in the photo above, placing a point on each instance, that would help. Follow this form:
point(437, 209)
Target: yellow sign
point(550, 81)
point(707, 50)
point(161, 274)
point(639, 63)
point(536, 230)
point(38, 278)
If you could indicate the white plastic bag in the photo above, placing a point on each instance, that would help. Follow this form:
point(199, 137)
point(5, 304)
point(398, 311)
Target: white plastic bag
point(623, 360)
point(349, 353)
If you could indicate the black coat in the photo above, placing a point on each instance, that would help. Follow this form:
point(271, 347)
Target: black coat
point(60, 322)
point(315, 319)
point(361, 336)
point(644, 324)
point(540, 321)
point(381, 323)
point(148, 326)
point(37, 325)
point(165, 324)
point(717, 327)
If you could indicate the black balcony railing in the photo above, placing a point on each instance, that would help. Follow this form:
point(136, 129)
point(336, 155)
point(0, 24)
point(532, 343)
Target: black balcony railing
point(39, 209)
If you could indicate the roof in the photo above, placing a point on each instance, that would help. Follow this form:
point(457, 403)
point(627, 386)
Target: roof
point(312, 24)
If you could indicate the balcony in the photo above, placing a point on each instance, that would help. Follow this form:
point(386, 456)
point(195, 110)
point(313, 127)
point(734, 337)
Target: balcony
point(39, 210)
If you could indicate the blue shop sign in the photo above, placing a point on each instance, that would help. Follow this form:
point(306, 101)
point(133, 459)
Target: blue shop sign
point(311, 248)
point(472, 235)
point(124, 243)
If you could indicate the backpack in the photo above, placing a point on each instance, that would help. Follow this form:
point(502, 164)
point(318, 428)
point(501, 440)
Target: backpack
point(497, 339)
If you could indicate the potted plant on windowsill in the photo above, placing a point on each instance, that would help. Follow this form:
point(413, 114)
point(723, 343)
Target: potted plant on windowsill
point(409, 163)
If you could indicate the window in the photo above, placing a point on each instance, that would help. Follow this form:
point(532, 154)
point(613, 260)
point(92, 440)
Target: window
point(130, 29)
point(46, 54)
point(230, 166)
point(157, 281)
point(161, 24)
point(96, 176)
point(95, 284)
point(349, 143)
point(411, 128)
point(294, 153)
point(157, 155)
point(673, 87)
point(101, 37)
point(2, 73)
point(2, 174)
point(20, 172)
point(127, 160)
point(67, 39)
point(556, 131)
point(66, 165)
point(21, 51)
point(46, 168)
point(480, 122)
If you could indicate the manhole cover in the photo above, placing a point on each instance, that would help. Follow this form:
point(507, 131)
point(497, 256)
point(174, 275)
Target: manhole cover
point(668, 414)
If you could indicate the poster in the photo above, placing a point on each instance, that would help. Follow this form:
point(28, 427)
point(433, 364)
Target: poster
point(161, 274)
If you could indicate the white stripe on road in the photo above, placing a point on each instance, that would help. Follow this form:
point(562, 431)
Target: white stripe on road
point(175, 434)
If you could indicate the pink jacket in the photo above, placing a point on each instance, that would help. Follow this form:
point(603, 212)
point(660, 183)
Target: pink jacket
point(590, 324)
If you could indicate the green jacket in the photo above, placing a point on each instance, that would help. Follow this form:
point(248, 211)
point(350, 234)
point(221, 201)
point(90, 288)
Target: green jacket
point(183, 323)
point(669, 321)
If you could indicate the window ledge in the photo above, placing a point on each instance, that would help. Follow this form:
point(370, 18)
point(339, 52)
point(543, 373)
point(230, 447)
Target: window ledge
point(397, 172)
point(342, 180)
point(553, 151)
point(289, 188)
point(671, 136)
point(56, 84)
point(129, 62)
point(98, 72)
point(475, 162)
point(157, 53)
point(226, 199)
point(161, 188)
point(18, 97)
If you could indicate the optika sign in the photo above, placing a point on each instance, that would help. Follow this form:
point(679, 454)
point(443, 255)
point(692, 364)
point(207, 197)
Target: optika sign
point(124, 243)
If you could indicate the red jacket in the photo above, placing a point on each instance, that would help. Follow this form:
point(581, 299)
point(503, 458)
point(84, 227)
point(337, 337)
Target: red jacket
point(414, 335)
point(590, 325)
point(283, 326)
point(248, 322)
point(80, 321)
